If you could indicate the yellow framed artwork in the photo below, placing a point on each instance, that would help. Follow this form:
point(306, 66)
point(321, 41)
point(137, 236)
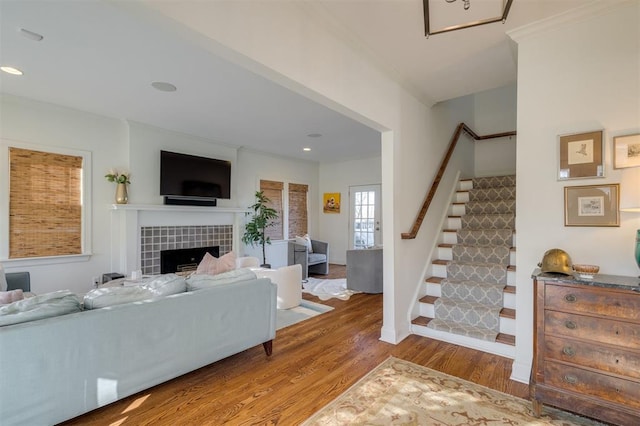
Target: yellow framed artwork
point(331, 202)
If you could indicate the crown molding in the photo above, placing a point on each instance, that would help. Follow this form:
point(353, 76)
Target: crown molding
point(579, 14)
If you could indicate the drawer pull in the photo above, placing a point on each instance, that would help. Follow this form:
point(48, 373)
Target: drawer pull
point(572, 380)
point(568, 351)
point(570, 298)
point(571, 325)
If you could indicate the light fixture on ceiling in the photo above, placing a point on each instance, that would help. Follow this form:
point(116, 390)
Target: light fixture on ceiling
point(11, 70)
point(306, 149)
point(314, 135)
point(163, 86)
point(432, 28)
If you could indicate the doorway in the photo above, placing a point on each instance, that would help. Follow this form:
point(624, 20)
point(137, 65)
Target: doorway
point(365, 224)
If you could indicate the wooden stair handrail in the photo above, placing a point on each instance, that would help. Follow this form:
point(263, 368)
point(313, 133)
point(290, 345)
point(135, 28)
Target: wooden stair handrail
point(443, 166)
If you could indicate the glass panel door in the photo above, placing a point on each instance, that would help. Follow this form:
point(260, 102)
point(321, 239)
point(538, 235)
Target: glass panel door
point(365, 226)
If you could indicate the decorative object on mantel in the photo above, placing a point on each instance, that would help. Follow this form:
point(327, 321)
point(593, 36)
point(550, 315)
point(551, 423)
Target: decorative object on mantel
point(121, 179)
point(263, 217)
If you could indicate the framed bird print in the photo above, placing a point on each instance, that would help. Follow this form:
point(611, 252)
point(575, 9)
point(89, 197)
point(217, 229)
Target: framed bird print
point(581, 155)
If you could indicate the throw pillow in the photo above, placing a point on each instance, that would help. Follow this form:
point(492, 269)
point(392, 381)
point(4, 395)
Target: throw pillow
point(305, 240)
point(3, 279)
point(10, 296)
point(213, 266)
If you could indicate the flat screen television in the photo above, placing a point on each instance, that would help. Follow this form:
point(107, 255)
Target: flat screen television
point(191, 180)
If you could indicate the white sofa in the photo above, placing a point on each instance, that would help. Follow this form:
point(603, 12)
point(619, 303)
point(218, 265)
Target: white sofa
point(58, 368)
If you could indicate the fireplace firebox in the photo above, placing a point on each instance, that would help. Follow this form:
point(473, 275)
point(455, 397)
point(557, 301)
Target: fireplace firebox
point(184, 260)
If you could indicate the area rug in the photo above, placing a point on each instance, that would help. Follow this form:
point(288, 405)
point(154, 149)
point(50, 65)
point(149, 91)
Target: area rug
point(304, 311)
point(398, 392)
point(326, 289)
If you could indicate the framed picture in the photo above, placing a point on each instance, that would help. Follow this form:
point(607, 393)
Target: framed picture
point(581, 155)
point(626, 151)
point(331, 202)
point(592, 205)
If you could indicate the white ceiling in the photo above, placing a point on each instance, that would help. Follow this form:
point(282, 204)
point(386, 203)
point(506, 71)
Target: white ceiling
point(97, 57)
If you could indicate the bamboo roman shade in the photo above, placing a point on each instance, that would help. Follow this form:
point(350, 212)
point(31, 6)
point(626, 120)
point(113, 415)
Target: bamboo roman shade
point(45, 211)
point(273, 191)
point(297, 209)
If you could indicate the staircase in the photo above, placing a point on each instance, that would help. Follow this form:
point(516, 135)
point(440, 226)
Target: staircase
point(469, 296)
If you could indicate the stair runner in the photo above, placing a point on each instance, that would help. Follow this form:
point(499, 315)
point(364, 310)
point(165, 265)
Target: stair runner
point(472, 292)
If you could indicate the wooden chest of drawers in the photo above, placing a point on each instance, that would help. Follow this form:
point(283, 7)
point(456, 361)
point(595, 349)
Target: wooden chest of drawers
point(587, 347)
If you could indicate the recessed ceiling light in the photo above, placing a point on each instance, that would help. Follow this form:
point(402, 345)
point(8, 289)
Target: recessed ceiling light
point(11, 70)
point(163, 86)
point(306, 149)
point(314, 135)
point(31, 35)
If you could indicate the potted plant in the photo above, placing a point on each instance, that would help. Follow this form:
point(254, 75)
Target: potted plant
point(263, 217)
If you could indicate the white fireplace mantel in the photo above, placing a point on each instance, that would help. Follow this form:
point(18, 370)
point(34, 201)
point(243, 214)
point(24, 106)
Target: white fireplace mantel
point(166, 208)
point(127, 220)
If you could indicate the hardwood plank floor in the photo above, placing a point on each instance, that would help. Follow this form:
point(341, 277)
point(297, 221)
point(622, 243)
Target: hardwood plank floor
point(312, 363)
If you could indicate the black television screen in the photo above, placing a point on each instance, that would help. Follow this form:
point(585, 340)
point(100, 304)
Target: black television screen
point(193, 177)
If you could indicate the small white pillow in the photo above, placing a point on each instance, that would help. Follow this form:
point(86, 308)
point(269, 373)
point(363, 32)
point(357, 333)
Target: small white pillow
point(3, 279)
point(305, 240)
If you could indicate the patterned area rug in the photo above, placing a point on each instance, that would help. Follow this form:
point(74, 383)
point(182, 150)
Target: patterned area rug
point(398, 392)
point(326, 289)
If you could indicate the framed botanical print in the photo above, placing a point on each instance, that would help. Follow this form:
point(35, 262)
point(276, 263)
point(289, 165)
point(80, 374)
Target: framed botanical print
point(592, 205)
point(581, 155)
point(626, 151)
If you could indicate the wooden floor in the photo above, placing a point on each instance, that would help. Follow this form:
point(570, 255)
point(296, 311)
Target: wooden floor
point(312, 363)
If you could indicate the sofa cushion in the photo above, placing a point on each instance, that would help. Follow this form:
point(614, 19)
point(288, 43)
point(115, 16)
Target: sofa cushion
point(317, 258)
point(38, 307)
point(166, 284)
point(211, 265)
point(199, 282)
point(159, 286)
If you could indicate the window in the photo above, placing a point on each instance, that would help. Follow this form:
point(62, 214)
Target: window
point(297, 209)
point(273, 191)
point(45, 204)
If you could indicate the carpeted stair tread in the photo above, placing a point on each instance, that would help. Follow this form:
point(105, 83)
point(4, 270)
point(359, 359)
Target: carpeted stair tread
point(492, 194)
point(488, 221)
point(480, 272)
point(462, 329)
point(504, 312)
point(490, 207)
point(469, 313)
point(490, 294)
point(482, 254)
point(505, 339)
point(493, 181)
point(483, 237)
point(437, 280)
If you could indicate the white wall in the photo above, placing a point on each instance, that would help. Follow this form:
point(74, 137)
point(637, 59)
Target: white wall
point(134, 147)
point(307, 53)
point(572, 78)
point(256, 166)
point(495, 112)
point(49, 125)
point(338, 177)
